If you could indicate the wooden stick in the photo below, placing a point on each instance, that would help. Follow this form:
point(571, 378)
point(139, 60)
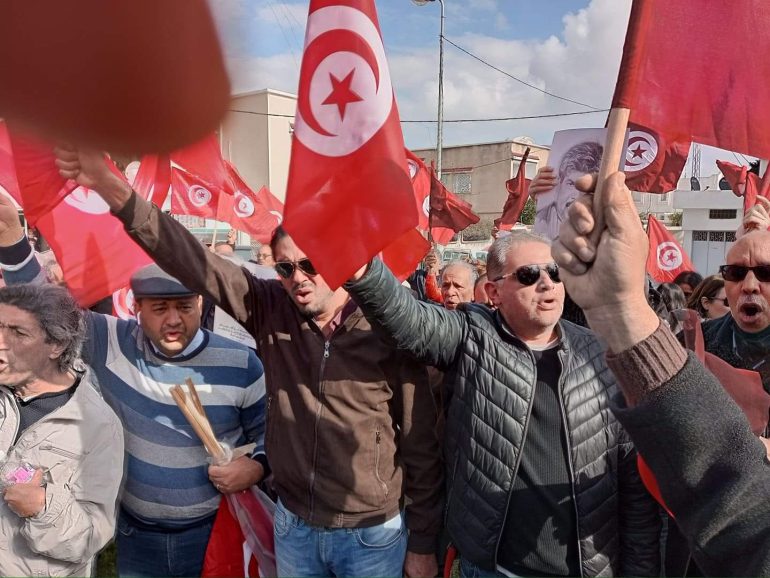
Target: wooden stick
point(209, 442)
point(194, 395)
point(614, 153)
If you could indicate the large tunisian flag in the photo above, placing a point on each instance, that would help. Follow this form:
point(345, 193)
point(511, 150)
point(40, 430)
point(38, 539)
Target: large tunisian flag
point(666, 258)
point(678, 78)
point(349, 195)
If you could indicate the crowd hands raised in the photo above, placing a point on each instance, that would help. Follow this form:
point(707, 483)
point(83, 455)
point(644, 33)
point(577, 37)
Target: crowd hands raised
point(386, 421)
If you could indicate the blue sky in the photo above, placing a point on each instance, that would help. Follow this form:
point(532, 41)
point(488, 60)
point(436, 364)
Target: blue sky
point(568, 47)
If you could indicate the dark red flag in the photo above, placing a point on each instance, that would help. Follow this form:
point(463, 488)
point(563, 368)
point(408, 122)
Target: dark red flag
point(743, 183)
point(257, 214)
point(654, 162)
point(447, 210)
point(666, 258)
point(7, 167)
point(677, 77)
point(349, 195)
point(420, 175)
point(191, 195)
point(518, 193)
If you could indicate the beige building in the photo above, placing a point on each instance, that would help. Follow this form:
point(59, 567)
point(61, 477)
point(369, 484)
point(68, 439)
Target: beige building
point(477, 172)
point(256, 137)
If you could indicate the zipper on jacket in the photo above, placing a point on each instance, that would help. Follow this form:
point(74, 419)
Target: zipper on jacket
point(327, 345)
point(570, 467)
point(521, 451)
point(377, 437)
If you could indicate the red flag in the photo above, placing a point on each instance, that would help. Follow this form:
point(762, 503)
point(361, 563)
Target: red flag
point(96, 255)
point(204, 159)
point(518, 193)
point(153, 180)
point(743, 183)
point(7, 167)
point(420, 175)
point(257, 214)
point(191, 195)
point(666, 258)
point(227, 553)
point(349, 194)
point(447, 210)
point(654, 162)
point(677, 77)
point(403, 256)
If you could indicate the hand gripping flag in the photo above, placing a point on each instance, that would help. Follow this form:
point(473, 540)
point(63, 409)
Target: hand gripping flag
point(349, 195)
point(666, 258)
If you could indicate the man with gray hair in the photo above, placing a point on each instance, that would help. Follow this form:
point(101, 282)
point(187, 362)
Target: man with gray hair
point(457, 281)
point(62, 446)
point(542, 480)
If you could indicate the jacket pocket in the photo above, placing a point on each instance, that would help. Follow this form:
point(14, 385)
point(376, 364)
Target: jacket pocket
point(377, 452)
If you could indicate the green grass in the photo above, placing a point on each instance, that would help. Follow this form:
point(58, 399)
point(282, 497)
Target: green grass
point(106, 565)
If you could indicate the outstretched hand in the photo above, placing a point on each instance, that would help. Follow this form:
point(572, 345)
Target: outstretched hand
point(607, 279)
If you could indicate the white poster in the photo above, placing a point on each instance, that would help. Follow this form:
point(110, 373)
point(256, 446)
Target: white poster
point(226, 326)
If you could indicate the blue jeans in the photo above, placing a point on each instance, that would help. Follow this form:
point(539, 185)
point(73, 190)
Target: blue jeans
point(143, 552)
point(302, 550)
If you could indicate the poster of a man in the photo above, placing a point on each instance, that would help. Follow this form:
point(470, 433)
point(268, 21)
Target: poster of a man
point(574, 153)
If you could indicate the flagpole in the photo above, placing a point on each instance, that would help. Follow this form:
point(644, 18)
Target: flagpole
point(614, 152)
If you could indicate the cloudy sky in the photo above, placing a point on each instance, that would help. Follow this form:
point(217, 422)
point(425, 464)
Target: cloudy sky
point(570, 48)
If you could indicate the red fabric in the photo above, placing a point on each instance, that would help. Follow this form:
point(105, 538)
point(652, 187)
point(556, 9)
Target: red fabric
point(123, 303)
point(447, 210)
point(666, 258)
point(7, 167)
point(654, 162)
point(677, 76)
point(451, 555)
point(153, 179)
point(96, 255)
point(349, 194)
point(140, 76)
point(405, 253)
point(191, 195)
point(204, 159)
point(40, 187)
point(257, 214)
point(226, 548)
point(420, 175)
point(432, 290)
point(743, 183)
point(518, 193)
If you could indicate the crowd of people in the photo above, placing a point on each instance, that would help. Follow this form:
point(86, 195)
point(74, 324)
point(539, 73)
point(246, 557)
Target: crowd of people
point(500, 408)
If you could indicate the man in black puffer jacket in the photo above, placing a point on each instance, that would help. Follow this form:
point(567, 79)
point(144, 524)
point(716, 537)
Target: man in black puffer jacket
point(542, 479)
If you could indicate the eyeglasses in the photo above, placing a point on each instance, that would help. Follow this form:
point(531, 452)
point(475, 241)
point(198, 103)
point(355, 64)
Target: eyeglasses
point(723, 300)
point(738, 272)
point(530, 274)
point(286, 268)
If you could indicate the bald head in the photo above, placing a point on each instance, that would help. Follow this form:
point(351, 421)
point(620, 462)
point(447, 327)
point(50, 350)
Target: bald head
point(749, 298)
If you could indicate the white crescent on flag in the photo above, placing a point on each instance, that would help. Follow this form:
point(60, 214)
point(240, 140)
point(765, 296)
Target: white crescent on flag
point(641, 152)
point(87, 201)
point(199, 196)
point(669, 256)
point(348, 95)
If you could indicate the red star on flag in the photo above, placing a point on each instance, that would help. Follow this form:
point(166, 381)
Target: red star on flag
point(342, 95)
point(638, 151)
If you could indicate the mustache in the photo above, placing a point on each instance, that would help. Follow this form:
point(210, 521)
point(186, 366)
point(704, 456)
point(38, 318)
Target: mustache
point(299, 286)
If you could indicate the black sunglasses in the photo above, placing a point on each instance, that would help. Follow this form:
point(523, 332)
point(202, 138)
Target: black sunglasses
point(724, 301)
point(530, 274)
point(286, 268)
point(739, 272)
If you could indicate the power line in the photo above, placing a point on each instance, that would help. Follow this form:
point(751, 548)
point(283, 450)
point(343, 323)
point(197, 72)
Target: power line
point(455, 120)
point(511, 76)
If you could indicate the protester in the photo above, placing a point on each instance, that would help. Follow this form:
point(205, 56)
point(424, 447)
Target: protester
point(673, 299)
point(351, 419)
point(709, 298)
point(688, 281)
point(224, 248)
point(424, 281)
point(62, 445)
point(742, 338)
point(171, 494)
point(264, 256)
point(713, 473)
point(569, 502)
point(457, 281)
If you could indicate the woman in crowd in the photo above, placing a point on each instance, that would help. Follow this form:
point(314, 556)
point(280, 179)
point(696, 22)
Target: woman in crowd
point(709, 298)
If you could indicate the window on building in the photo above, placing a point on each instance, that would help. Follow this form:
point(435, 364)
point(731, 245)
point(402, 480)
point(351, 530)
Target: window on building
point(717, 236)
point(663, 198)
point(700, 236)
point(730, 236)
point(458, 182)
point(723, 213)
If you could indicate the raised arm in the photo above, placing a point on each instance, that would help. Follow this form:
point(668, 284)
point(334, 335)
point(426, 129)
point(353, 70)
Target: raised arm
point(429, 332)
point(172, 246)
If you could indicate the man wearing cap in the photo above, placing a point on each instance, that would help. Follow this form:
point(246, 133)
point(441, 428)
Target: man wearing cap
point(171, 493)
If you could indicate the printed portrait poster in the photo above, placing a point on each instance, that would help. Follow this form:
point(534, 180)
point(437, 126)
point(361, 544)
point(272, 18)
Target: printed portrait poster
point(574, 153)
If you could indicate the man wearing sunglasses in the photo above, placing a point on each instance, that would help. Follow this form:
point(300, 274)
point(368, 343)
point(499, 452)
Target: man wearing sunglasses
point(350, 433)
point(742, 338)
point(542, 480)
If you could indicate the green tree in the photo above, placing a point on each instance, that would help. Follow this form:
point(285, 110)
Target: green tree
point(528, 214)
point(480, 231)
point(675, 219)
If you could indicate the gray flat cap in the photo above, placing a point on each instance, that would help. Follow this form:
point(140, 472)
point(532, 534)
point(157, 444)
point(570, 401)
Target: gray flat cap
point(152, 281)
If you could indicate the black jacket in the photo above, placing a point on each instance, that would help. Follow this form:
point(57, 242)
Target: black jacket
point(491, 375)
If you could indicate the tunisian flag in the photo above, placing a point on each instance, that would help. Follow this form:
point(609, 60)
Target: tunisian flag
point(743, 182)
point(349, 195)
point(518, 193)
point(666, 258)
point(678, 78)
point(257, 214)
point(654, 162)
point(448, 211)
point(191, 195)
point(421, 179)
